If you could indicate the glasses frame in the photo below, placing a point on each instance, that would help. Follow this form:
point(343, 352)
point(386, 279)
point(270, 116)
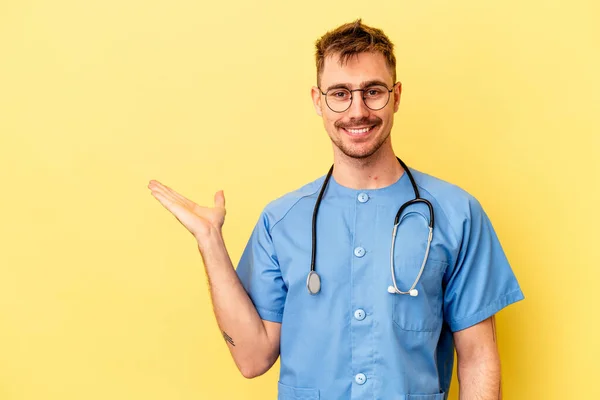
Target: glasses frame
point(363, 97)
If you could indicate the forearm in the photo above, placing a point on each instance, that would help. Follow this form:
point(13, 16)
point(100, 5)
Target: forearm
point(479, 377)
point(247, 339)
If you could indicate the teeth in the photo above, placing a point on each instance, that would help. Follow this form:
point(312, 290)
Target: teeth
point(357, 131)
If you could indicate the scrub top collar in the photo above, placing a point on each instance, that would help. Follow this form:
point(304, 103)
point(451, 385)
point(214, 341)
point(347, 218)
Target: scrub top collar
point(399, 188)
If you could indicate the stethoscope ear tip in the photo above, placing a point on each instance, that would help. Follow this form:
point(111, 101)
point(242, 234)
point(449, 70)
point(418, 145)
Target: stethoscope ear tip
point(391, 289)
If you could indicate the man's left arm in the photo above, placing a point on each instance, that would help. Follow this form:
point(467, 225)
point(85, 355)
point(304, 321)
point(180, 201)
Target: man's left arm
point(478, 362)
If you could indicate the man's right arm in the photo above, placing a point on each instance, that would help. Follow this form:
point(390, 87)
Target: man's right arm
point(253, 342)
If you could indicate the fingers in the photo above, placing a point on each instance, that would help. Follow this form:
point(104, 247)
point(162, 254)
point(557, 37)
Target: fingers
point(175, 207)
point(155, 185)
point(177, 195)
point(220, 199)
point(162, 199)
point(173, 197)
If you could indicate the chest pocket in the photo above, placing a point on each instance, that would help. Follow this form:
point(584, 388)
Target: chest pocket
point(422, 313)
point(286, 392)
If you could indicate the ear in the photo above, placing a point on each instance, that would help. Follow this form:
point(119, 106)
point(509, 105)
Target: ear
point(316, 98)
point(397, 93)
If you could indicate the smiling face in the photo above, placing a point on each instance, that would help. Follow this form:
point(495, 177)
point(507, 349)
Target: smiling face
point(358, 132)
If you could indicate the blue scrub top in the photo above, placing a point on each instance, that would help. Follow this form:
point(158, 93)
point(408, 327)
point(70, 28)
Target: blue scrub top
point(354, 340)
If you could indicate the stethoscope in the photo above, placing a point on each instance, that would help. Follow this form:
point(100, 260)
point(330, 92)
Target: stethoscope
point(313, 281)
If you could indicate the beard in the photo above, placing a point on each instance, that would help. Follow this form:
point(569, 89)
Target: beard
point(359, 152)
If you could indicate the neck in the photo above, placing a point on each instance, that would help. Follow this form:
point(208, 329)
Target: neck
point(377, 171)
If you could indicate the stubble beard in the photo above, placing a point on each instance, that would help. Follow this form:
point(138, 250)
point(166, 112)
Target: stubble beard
point(358, 154)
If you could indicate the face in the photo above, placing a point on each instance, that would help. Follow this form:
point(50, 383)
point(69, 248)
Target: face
point(357, 132)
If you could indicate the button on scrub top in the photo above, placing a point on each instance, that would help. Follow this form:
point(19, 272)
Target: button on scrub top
point(354, 339)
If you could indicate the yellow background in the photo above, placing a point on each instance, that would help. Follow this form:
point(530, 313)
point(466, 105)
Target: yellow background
point(102, 292)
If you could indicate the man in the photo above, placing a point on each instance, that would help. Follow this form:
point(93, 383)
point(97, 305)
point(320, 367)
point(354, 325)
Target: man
point(372, 317)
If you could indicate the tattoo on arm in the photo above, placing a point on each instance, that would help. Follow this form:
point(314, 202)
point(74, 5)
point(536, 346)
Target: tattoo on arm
point(228, 338)
point(496, 341)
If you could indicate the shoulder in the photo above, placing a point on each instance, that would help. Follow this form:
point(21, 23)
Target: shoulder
point(441, 190)
point(277, 209)
point(455, 202)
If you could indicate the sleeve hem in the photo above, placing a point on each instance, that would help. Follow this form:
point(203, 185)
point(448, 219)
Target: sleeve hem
point(269, 315)
point(488, 311)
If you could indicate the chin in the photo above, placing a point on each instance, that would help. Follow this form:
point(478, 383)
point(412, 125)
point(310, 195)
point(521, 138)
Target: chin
point(361, 151)
point(359, 154)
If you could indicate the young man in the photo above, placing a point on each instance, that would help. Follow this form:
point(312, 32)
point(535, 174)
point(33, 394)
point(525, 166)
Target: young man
point(366, 280)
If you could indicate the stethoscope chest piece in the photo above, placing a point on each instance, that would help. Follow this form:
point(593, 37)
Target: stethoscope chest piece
point(313, 282)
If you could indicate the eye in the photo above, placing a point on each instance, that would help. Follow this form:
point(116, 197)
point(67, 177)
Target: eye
point(374, 91)
point(339, 94)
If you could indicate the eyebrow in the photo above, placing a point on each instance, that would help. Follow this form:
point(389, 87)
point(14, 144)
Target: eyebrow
point(361, 86)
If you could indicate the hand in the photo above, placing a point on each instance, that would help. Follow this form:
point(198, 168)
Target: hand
point(200, 221)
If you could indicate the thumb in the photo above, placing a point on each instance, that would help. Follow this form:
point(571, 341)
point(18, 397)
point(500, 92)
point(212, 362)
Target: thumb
point(220, 199)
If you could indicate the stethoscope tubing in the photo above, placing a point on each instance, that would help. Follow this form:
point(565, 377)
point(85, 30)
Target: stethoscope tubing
point(313, 281)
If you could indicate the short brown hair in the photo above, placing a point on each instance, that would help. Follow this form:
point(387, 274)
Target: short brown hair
point(352, 39)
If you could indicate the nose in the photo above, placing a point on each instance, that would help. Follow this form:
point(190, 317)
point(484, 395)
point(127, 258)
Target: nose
point(358, 108)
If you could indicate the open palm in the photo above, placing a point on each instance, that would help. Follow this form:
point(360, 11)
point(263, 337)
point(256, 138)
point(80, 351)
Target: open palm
point(200, 221)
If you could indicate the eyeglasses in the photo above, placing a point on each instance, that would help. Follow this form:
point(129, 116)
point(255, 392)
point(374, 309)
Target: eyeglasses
point(375, 97)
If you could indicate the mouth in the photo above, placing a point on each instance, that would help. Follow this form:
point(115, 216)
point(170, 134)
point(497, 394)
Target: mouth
point(359, 131)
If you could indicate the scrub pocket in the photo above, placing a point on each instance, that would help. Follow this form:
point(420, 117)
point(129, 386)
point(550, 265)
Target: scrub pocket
point(292, 393)
point(422, 313)
point(439, 396)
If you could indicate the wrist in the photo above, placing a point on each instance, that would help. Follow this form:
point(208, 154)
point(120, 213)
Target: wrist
point(213, 238)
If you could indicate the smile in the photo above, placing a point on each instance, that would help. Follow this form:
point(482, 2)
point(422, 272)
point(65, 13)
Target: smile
point(359, 131)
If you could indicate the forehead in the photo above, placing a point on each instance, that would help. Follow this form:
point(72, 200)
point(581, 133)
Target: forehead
point(359, 68)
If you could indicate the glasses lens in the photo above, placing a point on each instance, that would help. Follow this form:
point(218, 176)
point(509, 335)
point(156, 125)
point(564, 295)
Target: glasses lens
point(376, 97)
point(339, 99)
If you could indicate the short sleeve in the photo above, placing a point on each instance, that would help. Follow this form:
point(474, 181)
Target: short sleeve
point(260, 275)
point(481, 283)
